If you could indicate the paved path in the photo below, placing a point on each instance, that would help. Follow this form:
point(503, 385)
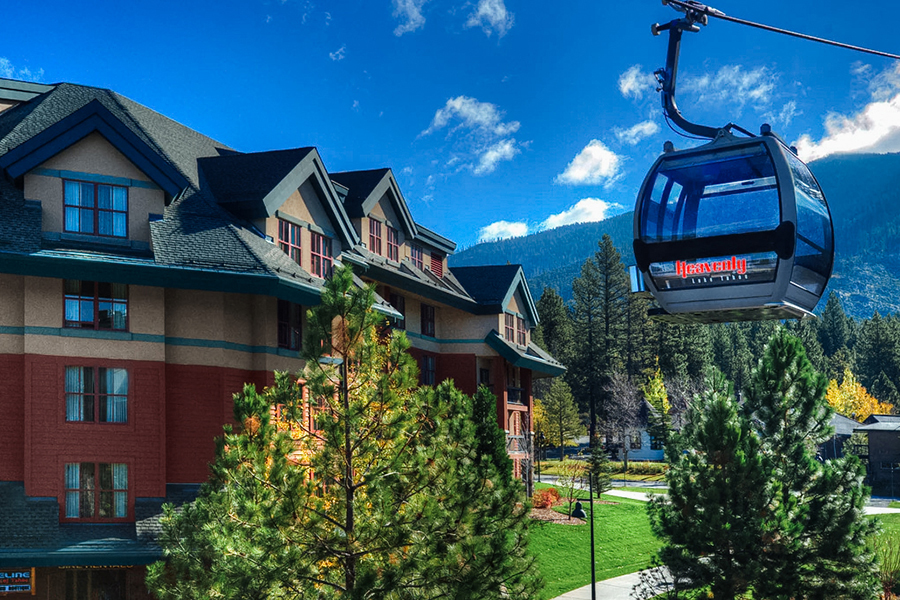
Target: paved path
point(620, 588)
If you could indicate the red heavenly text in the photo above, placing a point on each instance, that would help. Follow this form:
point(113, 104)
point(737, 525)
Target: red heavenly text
point(733, 265)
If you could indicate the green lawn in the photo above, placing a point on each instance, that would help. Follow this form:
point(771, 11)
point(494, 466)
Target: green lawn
point(623, 544)
point(646, 490)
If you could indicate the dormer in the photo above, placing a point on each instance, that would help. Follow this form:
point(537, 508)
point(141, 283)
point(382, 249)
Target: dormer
point(378, 212)
point(97, 182)
point(288, 197)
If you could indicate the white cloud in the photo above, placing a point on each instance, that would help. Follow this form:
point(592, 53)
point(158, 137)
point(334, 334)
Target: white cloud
point(356, 105)
point(479, 133)
point(783, 118)
point(491, 15)
point(636, 133)
point(633, 83)
point(9, 71)
point(407, 170)
point(502, 150)
point(875, 128)
point(482, 117)
point(410, 14)
point(338, 54)
point(586, 210)
point(502, 230)
point(595, 164)
point(734, 85)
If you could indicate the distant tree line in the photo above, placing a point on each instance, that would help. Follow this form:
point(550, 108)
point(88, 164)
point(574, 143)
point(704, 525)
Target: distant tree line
point(612, 349)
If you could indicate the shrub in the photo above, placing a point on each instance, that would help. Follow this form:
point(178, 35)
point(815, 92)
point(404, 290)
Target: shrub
point(545, 498)
point(888, 550)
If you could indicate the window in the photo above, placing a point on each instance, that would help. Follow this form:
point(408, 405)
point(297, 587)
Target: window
point(398, 302)
point(375, 236)
point(437, 265)
point(93, 305)
point(415, 255)
point(289, 239)
point(520, 331)
point(655, 443)
point(428, 320)
point(393, 244)
point(636, 441)
point(289, 316)
point(321, 255)
point(96, 209)
point(509, 328)
point(96, 491)
point(428, 370)
point(96, 395)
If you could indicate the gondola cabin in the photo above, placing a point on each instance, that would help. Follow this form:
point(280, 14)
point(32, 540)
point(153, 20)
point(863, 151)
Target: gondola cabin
point(734, 230)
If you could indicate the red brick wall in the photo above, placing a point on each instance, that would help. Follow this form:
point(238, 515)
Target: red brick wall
point(12, 407)
point(50, 441)
point(461, 368)
point(198, 404)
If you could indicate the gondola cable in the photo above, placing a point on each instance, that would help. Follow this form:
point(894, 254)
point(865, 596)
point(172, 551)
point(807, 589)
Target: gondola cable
point(712, 12)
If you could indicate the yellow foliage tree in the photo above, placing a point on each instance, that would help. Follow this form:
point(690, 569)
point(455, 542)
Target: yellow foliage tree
point(852, 400)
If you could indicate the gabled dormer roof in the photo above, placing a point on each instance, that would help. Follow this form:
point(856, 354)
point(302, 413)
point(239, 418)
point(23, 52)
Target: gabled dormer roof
point(494, 286)
point(366, 188)
point(64, 114)
point(256, 184)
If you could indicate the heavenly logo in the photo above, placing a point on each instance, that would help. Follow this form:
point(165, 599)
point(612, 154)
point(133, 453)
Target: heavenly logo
point(732, 265)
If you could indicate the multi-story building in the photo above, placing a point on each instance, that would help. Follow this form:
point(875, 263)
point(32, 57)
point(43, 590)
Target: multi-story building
point(148, 271)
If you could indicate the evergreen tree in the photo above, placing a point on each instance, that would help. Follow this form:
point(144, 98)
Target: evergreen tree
point(641, 338)
point(554, 333)
point(711, 520)
point(601, 296)
point(878, 349)
point(369, 488)
point(599, 467)
point(561, 415)
point(490, 441)
point(815, 542)
point(673, 360)
point(833, 330)
point(885, 390)
point(808, 332)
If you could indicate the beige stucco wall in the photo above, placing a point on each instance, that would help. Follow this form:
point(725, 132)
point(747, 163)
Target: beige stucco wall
point(36, 303)
point(304, 204)
point(5, 104)
point(96, 156)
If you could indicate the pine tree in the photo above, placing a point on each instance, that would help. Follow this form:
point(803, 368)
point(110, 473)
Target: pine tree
point(561, 415)
point(554, 333)
point(834, 332)
point(368, 487)
point(600, 467)
point(601, 302)
point(815, 542)
point(711, 520)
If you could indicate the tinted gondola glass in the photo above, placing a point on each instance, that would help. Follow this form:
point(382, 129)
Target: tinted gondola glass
point(736, 229)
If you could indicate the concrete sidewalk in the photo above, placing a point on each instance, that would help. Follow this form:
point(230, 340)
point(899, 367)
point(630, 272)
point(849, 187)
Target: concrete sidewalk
point(617, 588)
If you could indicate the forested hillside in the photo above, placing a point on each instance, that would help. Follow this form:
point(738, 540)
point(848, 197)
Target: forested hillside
point(863, 192)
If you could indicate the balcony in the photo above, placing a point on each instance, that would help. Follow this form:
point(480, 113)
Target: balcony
point(515, 443)
point(515, 395)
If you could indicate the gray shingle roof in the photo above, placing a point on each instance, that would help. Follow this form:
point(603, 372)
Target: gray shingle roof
point(360, 184)
point(487, 284)
point(248, 177)
point(32, 535)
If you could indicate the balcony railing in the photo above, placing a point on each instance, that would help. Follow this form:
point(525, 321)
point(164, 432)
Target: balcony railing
point(514, 395)
point(515, 443)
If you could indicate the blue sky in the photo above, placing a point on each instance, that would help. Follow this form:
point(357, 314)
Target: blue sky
point(498, 117)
